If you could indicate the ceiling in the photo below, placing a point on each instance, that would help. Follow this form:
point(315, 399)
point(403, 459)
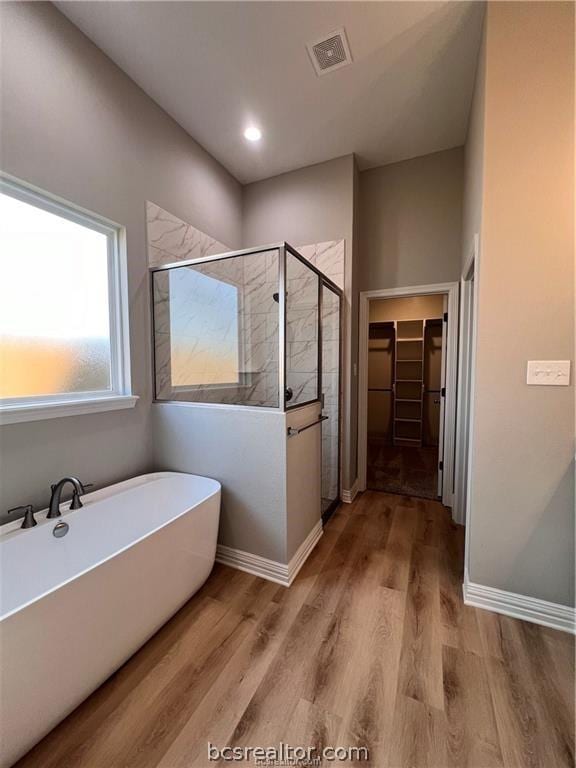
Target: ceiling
point(216, 67)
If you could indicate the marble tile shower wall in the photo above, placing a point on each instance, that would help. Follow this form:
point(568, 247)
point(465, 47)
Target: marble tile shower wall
point(301, 312)
point(252, 337)
point(211, 345)
point(256, 277)
point(301, 332)
point(328, 257)
point(330, 381)
point(171, 239)
point(260, 312)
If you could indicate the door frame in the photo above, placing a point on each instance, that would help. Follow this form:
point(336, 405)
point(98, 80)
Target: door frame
point(469, 285)
point(451, 290)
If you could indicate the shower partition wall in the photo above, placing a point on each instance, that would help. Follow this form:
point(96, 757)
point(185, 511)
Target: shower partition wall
point(253, 337)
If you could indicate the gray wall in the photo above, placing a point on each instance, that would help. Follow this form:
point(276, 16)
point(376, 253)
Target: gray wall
point(245, 450)
point(270, 483)
point(312, 205)
point(474, 159)
point(75, 125)
point(411, 221)
point(522, 503)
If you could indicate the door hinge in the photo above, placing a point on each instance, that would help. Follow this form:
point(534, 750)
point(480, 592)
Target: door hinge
point(441, 466)
point(443, 391)
point(445, 317)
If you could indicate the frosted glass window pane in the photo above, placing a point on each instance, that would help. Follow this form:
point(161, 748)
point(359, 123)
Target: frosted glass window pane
point(54, 308)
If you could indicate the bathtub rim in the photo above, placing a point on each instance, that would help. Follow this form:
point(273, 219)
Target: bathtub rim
point(100, 495)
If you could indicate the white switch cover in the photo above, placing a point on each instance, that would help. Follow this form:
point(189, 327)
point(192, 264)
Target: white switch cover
point(555, 373)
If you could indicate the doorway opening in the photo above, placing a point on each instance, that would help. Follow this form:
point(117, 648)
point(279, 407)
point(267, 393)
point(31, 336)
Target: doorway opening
point(408, 341)
point(405, 379)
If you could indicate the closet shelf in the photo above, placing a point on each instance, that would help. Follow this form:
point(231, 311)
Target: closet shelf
point(408, 431)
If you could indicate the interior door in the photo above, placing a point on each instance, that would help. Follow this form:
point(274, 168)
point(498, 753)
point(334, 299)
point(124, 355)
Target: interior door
point(442, 399)
point(331, 340)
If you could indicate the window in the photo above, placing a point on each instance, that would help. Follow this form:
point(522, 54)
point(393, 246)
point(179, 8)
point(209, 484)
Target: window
point(63, 329)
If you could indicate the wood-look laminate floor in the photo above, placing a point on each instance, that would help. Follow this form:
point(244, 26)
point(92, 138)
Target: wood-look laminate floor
point(371, 646)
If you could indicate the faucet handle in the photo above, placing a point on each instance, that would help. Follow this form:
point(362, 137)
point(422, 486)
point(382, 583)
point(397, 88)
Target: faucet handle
point(76, 503)
point(29, 520)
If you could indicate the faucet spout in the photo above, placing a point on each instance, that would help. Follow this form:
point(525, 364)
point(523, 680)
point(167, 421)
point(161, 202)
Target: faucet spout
point(57, 488)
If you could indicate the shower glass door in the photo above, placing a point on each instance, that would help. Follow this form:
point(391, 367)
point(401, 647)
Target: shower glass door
point(330, 334)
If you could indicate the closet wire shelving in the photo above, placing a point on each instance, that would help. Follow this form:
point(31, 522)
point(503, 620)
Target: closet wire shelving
point(408, 383)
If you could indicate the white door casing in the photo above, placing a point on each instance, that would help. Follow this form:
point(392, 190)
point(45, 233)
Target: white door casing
point(451, 292)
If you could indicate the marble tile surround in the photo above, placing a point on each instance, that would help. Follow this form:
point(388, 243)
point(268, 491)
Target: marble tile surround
point(328, 257)
point(330, 382)
point(301, 364)
point(170, 240)
point(209, 338)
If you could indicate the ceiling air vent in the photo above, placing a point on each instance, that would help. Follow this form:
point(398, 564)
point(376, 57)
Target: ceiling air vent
point(330, 53)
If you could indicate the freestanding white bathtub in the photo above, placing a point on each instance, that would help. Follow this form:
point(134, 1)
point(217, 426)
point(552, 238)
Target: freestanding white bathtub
point(73, 609)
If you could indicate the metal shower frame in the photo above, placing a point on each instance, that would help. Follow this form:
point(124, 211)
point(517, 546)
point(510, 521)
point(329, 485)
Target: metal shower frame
point(283, 248)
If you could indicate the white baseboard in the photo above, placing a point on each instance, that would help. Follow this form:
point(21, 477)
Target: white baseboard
point(281, 573)
point(553, 615)
point(348, 496)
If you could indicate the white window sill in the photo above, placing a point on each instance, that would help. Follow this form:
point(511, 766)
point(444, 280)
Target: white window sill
point(13, 414)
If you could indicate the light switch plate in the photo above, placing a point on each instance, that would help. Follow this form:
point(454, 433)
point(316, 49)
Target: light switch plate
point(555, 373)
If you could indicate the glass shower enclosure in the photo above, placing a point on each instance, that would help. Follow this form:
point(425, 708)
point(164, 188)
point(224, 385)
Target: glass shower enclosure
point(257, 328)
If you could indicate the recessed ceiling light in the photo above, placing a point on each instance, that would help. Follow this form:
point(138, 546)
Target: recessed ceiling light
point(253, 134)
